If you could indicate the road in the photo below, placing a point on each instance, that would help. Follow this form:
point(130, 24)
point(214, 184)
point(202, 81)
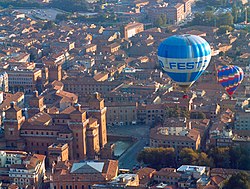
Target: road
point(128, 159)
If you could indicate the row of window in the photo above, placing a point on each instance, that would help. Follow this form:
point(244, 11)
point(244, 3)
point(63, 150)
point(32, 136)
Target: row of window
point(38, 132)
point(173, 142)
point(70, 187)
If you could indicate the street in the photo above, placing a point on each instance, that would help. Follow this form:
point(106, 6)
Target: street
point(128, 159)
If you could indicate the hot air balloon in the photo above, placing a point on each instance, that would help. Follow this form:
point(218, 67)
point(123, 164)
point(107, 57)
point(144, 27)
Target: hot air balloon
point(230, 77)
point(184, 58)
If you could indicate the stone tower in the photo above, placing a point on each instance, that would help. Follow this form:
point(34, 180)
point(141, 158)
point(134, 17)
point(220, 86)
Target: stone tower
point(98, 110)
point(12, 125)
point(78, 124)
point(54, 71)
point(36, 104)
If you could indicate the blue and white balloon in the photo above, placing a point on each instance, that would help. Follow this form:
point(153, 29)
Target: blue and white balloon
point(184, 58)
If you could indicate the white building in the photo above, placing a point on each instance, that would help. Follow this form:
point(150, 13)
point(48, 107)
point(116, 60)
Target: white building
point(22, 168)
point(195, 171)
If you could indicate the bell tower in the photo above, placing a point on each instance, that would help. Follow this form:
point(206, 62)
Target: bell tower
point(98, 110)
point(36, 104)
point(12, 125)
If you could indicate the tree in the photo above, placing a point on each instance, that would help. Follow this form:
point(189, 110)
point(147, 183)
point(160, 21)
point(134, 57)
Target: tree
point(225, 19)
point(49, 25)
point(157, 157)
point(220, 157)
point(235, 13)
point(204, 160)
point(173, 111)
point(158, 22)
point(238, 181)
point(224, 29)
point(60, 17)
point(188, 156)
point(70, 5)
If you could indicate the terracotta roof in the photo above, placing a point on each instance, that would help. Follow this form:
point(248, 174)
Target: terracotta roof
point(146, 171)
point(40, 118)
point(217, 179)
point(211, 187)
point(68, 110)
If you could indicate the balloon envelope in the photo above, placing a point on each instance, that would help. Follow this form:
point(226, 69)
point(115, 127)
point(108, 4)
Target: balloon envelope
point(230, 77)
point(184, 58)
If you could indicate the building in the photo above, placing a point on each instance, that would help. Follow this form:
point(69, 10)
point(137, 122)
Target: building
point(58, 152)
point(24, 80)
point(176, 14)
point(83, 86)
point(79, 175)
point(190, 174)
point(149, 113)
point(187, 7)
point(4, 82)
point(121, 113)
point(242, 120)
point(132, 29)
point(22, 168)
point(145, 175)
point(121, 181)
point(111, 48)
point(54, 70)
point(187, 138)
point(167, 175)
point(83, 130)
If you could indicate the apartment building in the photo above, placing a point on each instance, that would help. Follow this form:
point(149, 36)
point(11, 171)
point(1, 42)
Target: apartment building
point(22, 168)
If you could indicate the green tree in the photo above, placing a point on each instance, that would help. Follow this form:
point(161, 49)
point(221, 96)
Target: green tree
point(49, 25)
point(60, 17)
point(220, 157)
point(164, 19)
point(188, 156)
point(157, 157)
point(158, 21)
point(224, 29)
point(173, 111)
point(225, 19)
point(235, 13)
point(70, 5)
point(238, 181)
point(204, 160)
